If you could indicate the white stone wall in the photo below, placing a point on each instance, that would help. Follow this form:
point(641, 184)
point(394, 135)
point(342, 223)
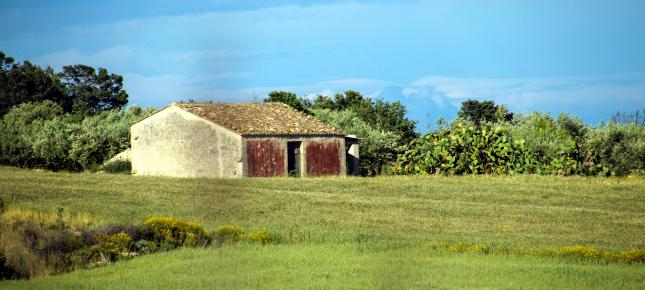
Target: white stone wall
point(176, 143)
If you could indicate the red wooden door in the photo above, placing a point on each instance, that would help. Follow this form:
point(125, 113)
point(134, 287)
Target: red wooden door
point(323, 158)
point(265, 158)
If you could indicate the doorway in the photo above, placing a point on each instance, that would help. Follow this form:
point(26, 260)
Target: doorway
point(293, 158)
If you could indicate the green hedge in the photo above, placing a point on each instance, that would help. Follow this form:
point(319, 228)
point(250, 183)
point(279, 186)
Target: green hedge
point(537, 143)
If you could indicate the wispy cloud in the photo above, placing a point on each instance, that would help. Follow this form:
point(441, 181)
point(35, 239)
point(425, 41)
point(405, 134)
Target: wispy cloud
point(428, 97)
point(582, 95)
point(111, 57)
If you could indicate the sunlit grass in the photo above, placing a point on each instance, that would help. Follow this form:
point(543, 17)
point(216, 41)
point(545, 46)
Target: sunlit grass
point(357, 232)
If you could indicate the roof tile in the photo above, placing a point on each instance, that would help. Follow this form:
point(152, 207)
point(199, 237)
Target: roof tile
point(260, 119)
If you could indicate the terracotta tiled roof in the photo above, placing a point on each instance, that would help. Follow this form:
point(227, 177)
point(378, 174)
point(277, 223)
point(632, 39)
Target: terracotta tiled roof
point(260, 119)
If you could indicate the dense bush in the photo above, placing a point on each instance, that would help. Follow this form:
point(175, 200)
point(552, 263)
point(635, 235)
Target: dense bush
point(172, 233)
point(465, 148)
point(537, 143)
point(117, 166)
point(619, 149)
point(228, 234)
point(38, 135)
point(261, 236)
point(378, 147)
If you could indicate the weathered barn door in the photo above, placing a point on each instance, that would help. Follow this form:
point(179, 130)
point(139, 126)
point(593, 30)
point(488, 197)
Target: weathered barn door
point(293, 158)
point(323, 158)
point(265, 158)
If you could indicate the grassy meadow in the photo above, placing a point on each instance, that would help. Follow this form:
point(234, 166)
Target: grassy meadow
point(354, 233)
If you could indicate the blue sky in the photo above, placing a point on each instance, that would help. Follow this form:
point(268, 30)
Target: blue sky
point(582, 57)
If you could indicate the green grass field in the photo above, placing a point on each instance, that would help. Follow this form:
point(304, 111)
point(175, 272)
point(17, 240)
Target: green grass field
point(354, 233)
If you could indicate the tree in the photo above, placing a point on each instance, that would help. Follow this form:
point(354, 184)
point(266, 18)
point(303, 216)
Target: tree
point(92, 92)
point(21, 83)
point(637, 118)
point(382, 115)
point(377, 147)
point(287, 98)
point(479, 112)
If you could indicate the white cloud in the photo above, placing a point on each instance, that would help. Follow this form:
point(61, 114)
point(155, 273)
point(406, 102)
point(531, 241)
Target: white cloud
point(591, 97)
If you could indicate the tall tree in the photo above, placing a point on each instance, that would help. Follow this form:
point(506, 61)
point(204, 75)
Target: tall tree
point(93, 91)
point(383, 115)
point(25, 82)
point(287, 98)
point(478, 112)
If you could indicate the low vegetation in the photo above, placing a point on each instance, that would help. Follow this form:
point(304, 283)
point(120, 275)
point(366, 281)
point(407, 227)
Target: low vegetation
point(385, 232)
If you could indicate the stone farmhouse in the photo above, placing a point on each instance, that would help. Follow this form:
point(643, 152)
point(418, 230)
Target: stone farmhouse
point(235, 140)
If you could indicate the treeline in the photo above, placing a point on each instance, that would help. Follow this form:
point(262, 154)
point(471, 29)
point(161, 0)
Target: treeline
point(382, 126)
point(489, 139)
point(73, 120)
point(485, 138)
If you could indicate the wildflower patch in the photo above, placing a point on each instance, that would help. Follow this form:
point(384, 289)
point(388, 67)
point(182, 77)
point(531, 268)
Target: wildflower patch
point(577, 251)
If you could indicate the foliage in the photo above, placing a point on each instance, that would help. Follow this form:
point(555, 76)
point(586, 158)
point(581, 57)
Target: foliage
point(35, 244)
point(261, 236)
point(630, 256)
point(377, 147)
point(483, 111)
point(228, 234)
point(383, 116)
point(535, 143)
point(618, 149)
point(38, 135)
point(577, 251)
point(319, 219)
point(104, 135)
point(172, 233)
point(113, 245)
point(34, 247)
point(78, 88)
point(466, 149)
point(117, 166)
point(25, 82)
point(92, 91)
point(287, 98)
point(580, 251)
point(637, 118)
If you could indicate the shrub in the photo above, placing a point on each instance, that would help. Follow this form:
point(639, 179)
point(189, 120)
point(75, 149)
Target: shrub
point(536, 143)
point(228, 234)
point(145, 247)
point(619, 149)
point(28, 249)
point(464, 149)
point(37, 135)
point(631, 256)
point(118, 166)
point(35, 244)
point(261, 237)
point(115, 245)
point(171, 233)
point(580, 251)
point(104, 135)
